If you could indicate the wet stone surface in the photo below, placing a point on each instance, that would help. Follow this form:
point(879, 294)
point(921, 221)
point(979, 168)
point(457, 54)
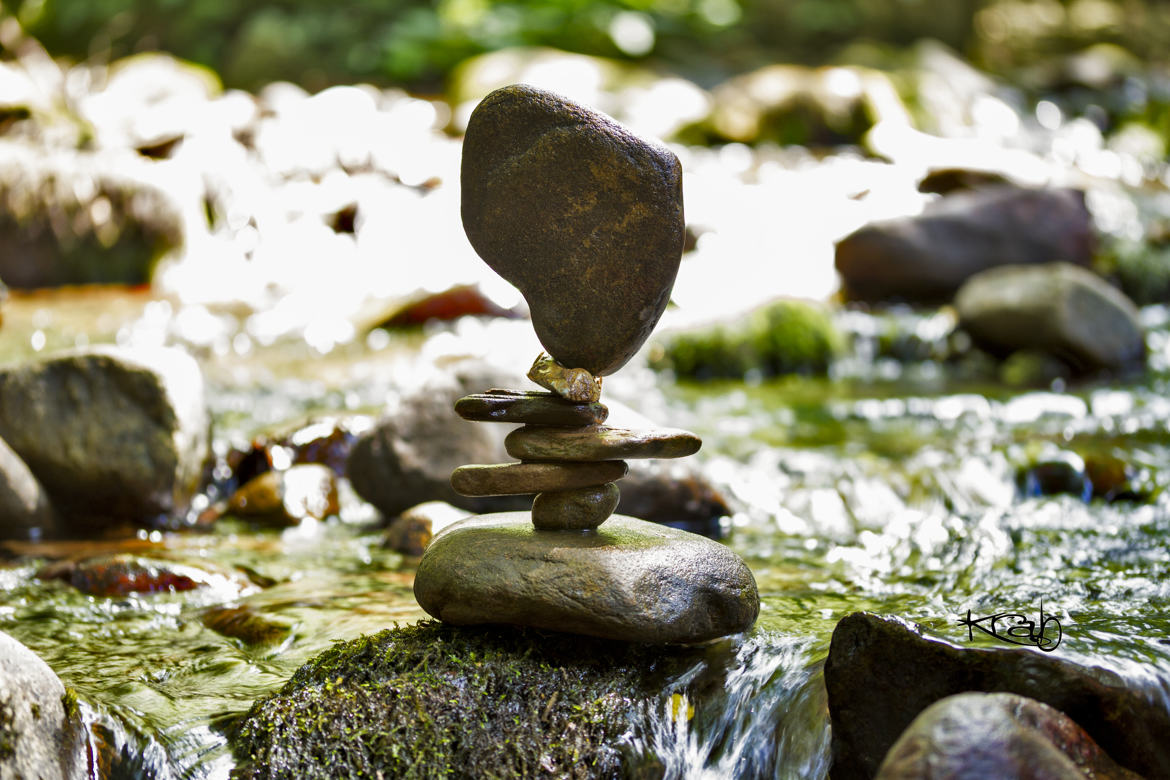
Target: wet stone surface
point(582, 216)
point(529, 407)
point(575, 509)
point(628, 580)
point(997, 735)
point(600, 442)
point(521, 478)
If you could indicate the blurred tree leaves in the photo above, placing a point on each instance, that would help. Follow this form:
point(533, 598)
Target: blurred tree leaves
point(417, 42)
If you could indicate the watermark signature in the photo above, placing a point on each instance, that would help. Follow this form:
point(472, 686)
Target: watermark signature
point(1017, 629)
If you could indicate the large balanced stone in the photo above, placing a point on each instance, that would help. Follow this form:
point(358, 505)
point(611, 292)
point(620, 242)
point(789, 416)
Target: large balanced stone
point(928, 257)
point(997, 735)
point(882, 672)
point(1058, 308)
point(113, 434)
point(575, 509)
point(528, 407)
point(501, 479)
point(600, 442)
point(582, 216)
point(41, 733)
point(629, 580)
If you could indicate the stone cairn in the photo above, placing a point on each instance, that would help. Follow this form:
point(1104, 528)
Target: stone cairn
point(586, 220)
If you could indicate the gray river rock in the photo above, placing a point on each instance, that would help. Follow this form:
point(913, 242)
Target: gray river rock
point(25, 509)
point(582, 216)
point(882, 672)
point(1058, 308)
point(628, 580)
point(997, 735)
point(929, 256)
point(41, 734)
point(113, 434)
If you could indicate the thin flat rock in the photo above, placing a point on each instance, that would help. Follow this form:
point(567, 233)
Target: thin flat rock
point(585, 218)
point(600, 442)
point(628, 580)
point(506, 479)
point(535, 408)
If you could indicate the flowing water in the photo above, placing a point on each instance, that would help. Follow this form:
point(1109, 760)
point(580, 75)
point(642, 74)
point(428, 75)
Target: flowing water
point(905, 489)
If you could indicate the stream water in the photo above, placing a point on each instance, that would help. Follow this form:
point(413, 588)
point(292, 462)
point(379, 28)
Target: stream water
point(896, 488)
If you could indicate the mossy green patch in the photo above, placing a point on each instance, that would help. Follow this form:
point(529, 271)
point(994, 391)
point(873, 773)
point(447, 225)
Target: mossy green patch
point(432, 700)
point(784, 337)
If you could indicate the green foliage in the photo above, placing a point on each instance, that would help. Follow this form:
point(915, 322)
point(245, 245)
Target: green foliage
point(1141, 269)
point(433, 700)
point(784, 337)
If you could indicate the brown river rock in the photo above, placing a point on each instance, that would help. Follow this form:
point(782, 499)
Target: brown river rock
point(599, 442)
point(628, 580)
point(582, 216)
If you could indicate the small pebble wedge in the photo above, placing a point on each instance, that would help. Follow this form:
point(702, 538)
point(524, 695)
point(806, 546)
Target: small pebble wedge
point(628, 580)
point(575, 510)
point(600, 442)
point(585, 218)
point(506, 479)
point(535, 408)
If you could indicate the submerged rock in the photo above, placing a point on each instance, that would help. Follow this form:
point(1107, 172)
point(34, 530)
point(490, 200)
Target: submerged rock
point(628, 580)
point(437, 701)
point(1058, 308)
point(287, 497)
point(25, 510)
point(582, 216)
point(929, 256)
point(997, 735)
point(412, 531)
point(121, 575)
point(882, 672)
point(408, 456)
point(113, 434)
point(41, 733)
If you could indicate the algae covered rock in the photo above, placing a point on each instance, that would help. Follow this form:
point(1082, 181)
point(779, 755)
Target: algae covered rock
point(434, 701)
point(788, 336)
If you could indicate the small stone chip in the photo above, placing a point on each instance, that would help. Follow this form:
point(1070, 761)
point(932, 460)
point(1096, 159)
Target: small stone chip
point(573, 384)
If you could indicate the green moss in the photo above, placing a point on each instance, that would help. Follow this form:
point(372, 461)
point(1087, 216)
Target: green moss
point(784, 337)
point(433, 700)
point(69, 704)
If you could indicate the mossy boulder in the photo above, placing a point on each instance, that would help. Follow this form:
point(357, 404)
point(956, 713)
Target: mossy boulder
point(788, 336)
point(431, 700)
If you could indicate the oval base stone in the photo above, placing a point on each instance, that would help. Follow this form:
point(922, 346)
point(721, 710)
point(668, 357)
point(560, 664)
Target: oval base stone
point(629, 580)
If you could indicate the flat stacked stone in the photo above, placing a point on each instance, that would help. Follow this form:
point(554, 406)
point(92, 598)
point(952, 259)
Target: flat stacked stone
point(568, 457)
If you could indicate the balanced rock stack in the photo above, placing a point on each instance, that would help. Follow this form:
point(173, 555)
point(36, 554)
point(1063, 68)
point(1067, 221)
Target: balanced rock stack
point(586, 220)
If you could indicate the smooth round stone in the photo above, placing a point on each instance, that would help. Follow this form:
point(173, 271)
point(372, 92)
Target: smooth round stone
point(600, 442)
point(582, 216)
point(512, 406)
point(506, 479)
point(628, 580)
point(575, 509)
